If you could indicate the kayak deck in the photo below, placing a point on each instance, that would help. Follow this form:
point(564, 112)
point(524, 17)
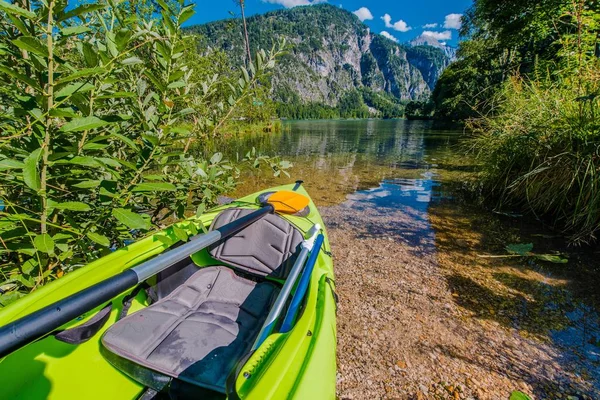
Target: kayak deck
point(208, 313)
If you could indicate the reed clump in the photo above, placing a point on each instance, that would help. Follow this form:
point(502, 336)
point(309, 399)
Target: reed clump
point(541, 148)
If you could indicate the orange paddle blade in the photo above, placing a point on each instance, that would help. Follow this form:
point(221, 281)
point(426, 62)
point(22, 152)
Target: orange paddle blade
point(287, 202)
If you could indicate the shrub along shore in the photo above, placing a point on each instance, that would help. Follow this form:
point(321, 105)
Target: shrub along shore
point(527, 82)
point(100, 107)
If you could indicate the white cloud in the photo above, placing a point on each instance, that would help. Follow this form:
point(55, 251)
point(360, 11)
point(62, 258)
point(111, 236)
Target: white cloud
point(387, 35)
point(453, 21)
point(399, 25)
point(363, 14)
point(294, 3)
point(445, 35)
point(429, 26)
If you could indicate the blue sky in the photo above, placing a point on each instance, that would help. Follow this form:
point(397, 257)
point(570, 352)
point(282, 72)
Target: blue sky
point(402, 20)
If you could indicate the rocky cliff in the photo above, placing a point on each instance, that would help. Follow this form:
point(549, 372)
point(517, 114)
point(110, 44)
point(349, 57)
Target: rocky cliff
point(331, 53)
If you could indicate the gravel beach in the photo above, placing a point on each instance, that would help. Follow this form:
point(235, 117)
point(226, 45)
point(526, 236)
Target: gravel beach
point(406, 328)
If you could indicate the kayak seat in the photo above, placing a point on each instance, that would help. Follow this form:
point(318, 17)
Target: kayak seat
point(265, 248)
point(197, 334)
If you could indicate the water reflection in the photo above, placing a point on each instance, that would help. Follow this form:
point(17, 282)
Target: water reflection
point(397, 175)
point(337, 158)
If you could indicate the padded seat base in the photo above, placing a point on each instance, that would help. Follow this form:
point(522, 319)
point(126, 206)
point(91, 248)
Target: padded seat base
point(196, 334)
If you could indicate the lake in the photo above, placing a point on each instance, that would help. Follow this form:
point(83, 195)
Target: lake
point(397, 189)
point(338, 158)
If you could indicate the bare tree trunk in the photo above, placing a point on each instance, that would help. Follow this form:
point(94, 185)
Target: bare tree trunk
point(249, 56)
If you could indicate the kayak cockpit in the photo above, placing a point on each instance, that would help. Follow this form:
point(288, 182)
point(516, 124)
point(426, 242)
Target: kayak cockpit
point(206, 320)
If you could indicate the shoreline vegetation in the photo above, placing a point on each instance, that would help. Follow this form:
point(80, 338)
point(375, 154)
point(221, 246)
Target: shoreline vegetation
point(527, 84)
point(101, 107)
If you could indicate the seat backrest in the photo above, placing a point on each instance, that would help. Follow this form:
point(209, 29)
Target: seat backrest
point(268, 247)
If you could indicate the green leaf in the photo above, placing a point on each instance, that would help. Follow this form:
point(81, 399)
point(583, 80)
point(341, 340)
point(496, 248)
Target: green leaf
point(176, 85)
point(72, 206)
point(95, 146)
point(186, 13)
point(74, 30)
point(155, 80)
point(31, 44)
point(11, 297)
point(44, 243)
point(130, 219)
point(63, 247)
point(61, 236)
point(18, 23)
point(31, 177)
point(180, 233)
point(126, 140)
point(85, 161)
point(246, 75)
point(117, 95)
point(521, 249)
point(77, 87)
point(20, 77)
point(24, 281)
point(65, 255)
point(216, 158)
point(109, 161)
point(63, 113)
point(200, 210)
point(98, 238)
point(83, 124)
point(154, 187)
point(516, 395)
point(83, 73)
point(28, 266)
point(7, 163)
point(78, 11)
point(132, 61)
point(16, 10)
point(87, 184)
point(89, 54)
point(163, 5)
point(551, 258)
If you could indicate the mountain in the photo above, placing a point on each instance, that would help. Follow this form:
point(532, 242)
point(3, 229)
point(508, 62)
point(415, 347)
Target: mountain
point(449, 51)
point(332, 56)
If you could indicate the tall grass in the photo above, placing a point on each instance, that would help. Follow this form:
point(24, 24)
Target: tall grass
point(541, 149)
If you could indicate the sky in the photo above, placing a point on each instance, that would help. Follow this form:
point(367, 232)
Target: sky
point(399, 20)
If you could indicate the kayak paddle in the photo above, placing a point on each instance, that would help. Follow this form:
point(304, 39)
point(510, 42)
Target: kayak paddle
point(39, 323)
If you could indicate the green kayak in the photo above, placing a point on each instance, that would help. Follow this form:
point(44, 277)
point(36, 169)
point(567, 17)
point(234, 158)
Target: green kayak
point(250, 316)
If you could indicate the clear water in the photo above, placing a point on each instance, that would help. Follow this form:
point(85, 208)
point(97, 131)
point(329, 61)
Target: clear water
point(415, 166)
point(338, 158)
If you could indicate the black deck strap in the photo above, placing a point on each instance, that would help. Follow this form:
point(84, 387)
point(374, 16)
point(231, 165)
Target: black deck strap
point(331, 284)
point(84, 332)
point(230, 389)
point(297, 185)
point(127, 300)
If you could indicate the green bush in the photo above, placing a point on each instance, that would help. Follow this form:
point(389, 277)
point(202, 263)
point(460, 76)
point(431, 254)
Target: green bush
point(98, 109)
point(541, 150)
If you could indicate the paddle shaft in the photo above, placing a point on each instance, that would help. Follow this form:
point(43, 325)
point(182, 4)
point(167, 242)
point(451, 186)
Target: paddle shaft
point(39, 323)
point(288, 321)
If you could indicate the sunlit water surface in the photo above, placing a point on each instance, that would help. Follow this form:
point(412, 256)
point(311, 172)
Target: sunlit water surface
point(413, 166)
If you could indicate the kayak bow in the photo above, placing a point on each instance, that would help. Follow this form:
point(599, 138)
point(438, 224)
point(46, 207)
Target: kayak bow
point(297, 363)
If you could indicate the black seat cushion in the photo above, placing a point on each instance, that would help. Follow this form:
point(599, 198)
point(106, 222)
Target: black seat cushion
point(196, 334)
point(265, 248)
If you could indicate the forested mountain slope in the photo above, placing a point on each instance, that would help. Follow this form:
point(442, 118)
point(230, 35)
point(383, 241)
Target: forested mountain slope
point(333, 60)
